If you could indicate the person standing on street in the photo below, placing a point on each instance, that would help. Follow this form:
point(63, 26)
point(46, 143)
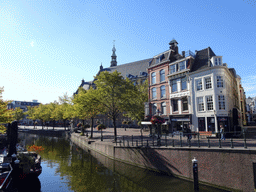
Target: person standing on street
point(222, 132)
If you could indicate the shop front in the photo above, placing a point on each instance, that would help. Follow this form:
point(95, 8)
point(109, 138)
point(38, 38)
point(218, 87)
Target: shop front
point(180, 122)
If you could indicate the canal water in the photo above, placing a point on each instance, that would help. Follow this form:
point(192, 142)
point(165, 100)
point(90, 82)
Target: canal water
point(68, 168)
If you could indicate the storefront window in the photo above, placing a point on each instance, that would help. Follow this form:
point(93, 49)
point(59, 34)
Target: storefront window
point(201, 123)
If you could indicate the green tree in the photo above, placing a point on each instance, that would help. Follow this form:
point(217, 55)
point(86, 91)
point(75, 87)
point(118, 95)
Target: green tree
point(88, 106)
point(18, 114)
point(115, 94)
point(138, 102)
point(5, 114)
point(31, 114)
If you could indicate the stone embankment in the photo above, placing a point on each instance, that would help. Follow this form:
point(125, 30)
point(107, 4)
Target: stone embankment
point(227, 168)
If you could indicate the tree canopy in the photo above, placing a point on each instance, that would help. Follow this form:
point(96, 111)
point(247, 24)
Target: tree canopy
point(6, 115)
point(115, 94)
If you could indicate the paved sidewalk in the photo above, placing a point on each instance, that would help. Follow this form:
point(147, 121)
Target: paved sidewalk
point(134, 137)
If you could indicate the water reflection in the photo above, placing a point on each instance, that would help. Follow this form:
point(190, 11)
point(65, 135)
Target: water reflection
point(66, 167)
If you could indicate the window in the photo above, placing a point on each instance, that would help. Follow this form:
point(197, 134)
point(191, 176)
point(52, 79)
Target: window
point(182, 65)
point(162, 75)
point(162, 89)
point(175, 105)
point(158, 60)
point(174, 85)
point(184, 104)
point(154, 93)
point(208, 83)
point(172, 69)
point(200, 101)
point(199, 85)
point(209, 102)
point(221, 99)
point(154, 108)
point(153, 78)
point(219, 81)
point(184, 83)
point(217, 61)
point(163, 108)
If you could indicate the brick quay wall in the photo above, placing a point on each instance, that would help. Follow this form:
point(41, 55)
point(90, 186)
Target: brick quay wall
point(230, 169)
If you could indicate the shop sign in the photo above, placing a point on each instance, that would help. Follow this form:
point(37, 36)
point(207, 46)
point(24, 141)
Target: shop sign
point(181, 119)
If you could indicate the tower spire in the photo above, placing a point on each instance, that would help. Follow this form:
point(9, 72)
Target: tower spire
point(113, 56)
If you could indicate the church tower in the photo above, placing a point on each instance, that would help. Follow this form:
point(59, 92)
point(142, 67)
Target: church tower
point(113, 57)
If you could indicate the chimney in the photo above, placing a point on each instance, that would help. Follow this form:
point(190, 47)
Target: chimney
point(183, 54)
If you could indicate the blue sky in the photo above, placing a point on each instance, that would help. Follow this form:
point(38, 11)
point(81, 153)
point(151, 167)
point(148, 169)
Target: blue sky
point(48, 46)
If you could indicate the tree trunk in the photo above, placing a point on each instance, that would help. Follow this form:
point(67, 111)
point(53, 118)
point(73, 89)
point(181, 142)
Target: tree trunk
point(53, 124)
point(65, 124)
point(92, 127)
point(115, 133)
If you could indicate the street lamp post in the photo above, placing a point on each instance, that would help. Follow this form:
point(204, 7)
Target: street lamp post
point(158, 130)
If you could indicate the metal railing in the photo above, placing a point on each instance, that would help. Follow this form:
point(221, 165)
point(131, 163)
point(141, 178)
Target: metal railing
point(186, 140)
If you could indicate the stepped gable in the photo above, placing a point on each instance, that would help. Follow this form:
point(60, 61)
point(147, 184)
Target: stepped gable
point(202, 59)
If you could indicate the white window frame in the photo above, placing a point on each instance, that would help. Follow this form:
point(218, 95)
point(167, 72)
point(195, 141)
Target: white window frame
point(162, 75)
point(162, 96)
point(221, 99)
point(208, 84)
point(209, 103)
point(154, 90)
point(199, 83)
point(200, 103)
point(154, 106)
point(182, 100)
point(173, 105)
point(220, 81)
point(163, 108)
point(173, 84)
point(153, 76)
point(181, 64)
point(182, 80)
point(172, 70)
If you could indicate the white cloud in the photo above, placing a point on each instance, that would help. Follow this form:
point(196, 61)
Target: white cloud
point(32, 44)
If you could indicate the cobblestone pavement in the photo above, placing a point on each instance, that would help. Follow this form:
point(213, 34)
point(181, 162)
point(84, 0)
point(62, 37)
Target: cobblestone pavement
point(135, 137)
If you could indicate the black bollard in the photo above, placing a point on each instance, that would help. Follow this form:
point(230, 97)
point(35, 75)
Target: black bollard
point(220, 143)
point(198, 140)
point(180, 140)
point(132, 140)
point(232, 145)
point(195, 174)
point(136, 143)
point(173, 142)
point(153, 141)
point(245, 145)
point(147, 143)
point(165, 140)
point(123, 140)
point(209, 143)
point(101, 137)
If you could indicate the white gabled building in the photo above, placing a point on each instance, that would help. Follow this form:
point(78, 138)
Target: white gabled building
point(215, 94)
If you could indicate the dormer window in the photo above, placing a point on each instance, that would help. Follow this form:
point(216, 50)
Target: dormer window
point(217, 61)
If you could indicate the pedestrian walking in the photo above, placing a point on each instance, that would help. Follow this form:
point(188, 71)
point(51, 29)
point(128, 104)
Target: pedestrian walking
point(222, 133)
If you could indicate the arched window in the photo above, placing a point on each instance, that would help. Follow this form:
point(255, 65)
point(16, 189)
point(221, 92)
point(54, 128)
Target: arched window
point(154, 93)
point(162, 90)
point(154, 108)
point(153, 78)
point(162, 75)
point(163, 108)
